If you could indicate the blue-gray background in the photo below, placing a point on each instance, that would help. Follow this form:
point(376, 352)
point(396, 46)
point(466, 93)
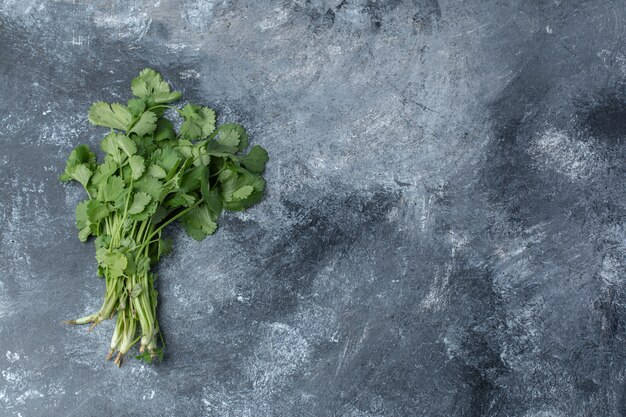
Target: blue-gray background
point(443, 233)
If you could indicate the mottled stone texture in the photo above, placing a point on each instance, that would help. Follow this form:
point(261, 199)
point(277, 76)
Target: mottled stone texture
point(443, 233)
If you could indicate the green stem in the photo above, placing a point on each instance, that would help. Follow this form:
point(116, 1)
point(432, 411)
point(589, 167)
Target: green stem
point(170, 220)
point(219, 172)
point(121, 223)
point(164, 106)
point(185, 211)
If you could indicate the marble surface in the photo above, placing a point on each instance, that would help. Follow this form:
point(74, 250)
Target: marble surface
point(443, 232)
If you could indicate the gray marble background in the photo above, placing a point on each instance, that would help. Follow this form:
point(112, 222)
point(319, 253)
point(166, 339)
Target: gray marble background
point(443, 232)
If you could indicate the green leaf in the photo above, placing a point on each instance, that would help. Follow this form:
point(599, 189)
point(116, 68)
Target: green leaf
point(112, 191)
point(228, 138)
point(214, 201)
point(151, 186)
point(240, 205)
point(143, 265)
point(191, 180)
point(82, 220)
point(110, 145)
point(126, 144)
point(159, 215)
point(81, 155)
point(104, 171)
point(198, 222)
point(84, 234)
point(229, 188)
point(131, 266)
point(115, 262)
point(241, 134)
point(166, 98)
point(164, 130)
point(145, 144)
point(147, 212)
point(226, 174)
point(140, 200)
point(199, 122)
point(255, 160)
point(215, 148)
point(102, 241)
point(146, 124)
point(211, 196)
point(184, 148)
point(136, 106)
point(156, 171)
point(150, 85)
point(166, 158)
point(175, 174)
point(81, 174)
point(115, 116)
point(134, 293)
point(180, 200)
point(96, 211)
point(137, 166)
point(200, 156)
point(243, 192)
point(165, 247)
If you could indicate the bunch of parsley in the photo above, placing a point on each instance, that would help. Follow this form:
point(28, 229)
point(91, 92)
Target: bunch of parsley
point(151, 176)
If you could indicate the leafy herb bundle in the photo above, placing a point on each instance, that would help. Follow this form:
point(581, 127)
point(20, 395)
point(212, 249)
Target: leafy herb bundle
point(151, 176)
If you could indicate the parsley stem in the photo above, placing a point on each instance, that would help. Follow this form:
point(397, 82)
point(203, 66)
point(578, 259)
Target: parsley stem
point(180, 213)
point(121, 223)
point(164, 106)
point(218, 172)
point(132, 232)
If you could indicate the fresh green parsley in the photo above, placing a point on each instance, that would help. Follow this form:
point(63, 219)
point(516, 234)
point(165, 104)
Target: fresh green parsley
point(151, 176)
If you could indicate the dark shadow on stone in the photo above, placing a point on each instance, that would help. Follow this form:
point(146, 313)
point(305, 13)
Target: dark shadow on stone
point(605, 117)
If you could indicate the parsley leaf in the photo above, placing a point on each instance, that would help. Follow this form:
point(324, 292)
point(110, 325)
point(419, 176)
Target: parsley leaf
point(156, 171)
point(137, 166)
point(228, 138)
point(146, 124)
point(81, 174)
point(115, 116)
point(199, 122)
point(151, 186)
point(112, 191)
point(110, 145)
point(140, 201)
point(255, 160)
point(211, 196)
point(115, 262)
point(241, 134)
point(198, 222)
point(96, 211)
point(180, 200)
point(149, 85)
point(164, 130)
point(136, 106)
point(125, 144)
point(82, 220)
point(81, 155)
point(243, 192)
